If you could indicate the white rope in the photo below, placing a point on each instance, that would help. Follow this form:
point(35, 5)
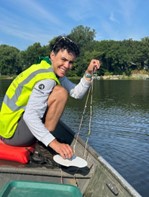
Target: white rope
point(89, 95)
point(81, 121)
point(90, 119)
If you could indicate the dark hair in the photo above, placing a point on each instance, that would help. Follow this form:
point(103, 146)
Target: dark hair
point(63, 42)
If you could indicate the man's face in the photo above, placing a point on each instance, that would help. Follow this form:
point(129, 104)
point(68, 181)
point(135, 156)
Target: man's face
point(62, 62)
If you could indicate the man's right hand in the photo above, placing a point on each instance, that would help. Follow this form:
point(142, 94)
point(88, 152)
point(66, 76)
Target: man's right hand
point(65, 150)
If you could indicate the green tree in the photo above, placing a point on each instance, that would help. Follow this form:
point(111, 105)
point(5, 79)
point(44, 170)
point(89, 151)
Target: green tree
point(84, 37)
point(117, 57)
point(32, 54)
point(9, 60)
point(145, 52)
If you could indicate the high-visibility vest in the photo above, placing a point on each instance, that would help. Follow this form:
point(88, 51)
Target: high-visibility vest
point(18, 93)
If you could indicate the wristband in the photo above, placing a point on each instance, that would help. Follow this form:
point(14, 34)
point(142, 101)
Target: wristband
point(87, 75)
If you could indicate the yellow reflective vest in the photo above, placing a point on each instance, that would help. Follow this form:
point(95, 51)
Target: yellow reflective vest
point(18, 93)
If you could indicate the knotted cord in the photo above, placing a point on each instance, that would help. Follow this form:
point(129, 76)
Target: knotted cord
point(89, 95)
point(90, 117)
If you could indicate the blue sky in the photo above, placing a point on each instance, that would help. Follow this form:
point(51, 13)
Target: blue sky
point(24, 22)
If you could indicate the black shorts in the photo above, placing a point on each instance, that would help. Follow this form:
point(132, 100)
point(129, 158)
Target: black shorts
point(21, 137)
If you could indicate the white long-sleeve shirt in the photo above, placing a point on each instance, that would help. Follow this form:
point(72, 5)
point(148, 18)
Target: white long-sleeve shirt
point(37, 105)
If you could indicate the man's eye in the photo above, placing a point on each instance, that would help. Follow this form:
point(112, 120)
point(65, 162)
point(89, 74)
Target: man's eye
point(64, 60)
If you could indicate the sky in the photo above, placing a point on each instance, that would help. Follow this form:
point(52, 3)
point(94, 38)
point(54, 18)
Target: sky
point(24, 22)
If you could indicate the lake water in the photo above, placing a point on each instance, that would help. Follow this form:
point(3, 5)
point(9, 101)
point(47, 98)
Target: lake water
point(120, 126)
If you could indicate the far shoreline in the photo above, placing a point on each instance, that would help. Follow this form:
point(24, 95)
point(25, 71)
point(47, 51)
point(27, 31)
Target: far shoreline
point(137, 76)
point(124, 77)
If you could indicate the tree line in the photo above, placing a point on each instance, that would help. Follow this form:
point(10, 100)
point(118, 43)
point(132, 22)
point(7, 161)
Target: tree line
point(117, 57)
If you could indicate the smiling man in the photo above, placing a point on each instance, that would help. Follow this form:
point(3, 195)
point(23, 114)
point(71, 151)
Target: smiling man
point(35, 100)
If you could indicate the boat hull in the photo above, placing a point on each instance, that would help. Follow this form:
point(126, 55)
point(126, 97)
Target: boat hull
point(98, 179)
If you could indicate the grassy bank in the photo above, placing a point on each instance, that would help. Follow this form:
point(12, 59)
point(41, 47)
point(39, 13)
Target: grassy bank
point(135, 75)
point(6, 77)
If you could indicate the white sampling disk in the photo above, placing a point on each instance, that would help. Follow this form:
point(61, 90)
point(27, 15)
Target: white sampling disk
point(74, 161)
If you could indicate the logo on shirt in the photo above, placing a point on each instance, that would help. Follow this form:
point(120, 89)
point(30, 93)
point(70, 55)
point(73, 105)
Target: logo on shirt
point(41, 86)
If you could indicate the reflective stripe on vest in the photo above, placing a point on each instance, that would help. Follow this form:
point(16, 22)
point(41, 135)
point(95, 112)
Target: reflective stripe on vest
point(11, 103)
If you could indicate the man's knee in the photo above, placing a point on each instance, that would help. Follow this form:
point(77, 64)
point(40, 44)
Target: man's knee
point(59, 90)
point(59, 93)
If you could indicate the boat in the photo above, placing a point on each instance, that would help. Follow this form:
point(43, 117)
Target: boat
point(97, 179)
